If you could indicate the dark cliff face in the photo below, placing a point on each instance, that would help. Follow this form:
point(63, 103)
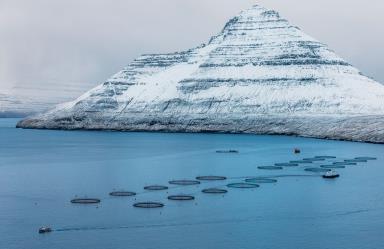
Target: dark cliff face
point(258, 70)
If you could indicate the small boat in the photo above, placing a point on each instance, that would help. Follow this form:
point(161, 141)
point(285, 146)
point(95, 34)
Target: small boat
point(45, 230)
point(331, 174)
point(296, 151)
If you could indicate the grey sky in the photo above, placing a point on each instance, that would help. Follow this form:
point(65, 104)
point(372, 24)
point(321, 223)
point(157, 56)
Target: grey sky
point(80, 43)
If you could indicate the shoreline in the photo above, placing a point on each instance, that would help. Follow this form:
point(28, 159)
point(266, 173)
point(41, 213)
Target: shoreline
point(367, 129)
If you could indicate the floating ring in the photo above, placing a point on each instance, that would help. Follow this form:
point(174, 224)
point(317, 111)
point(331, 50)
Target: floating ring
point(260, 180)
point(211, 178)
point(155, 187)
point(270, 167)
point(243, 185)
point(184, 182)
point(181, 197)
point(366, 158)
point(316, 169)
point(287, 164)
point(122, 193)
point(85, 201)
point(148, 205)
point(332, 166)
point(214, 191)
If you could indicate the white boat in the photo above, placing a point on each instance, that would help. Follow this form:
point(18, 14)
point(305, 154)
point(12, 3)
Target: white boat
point(331, 174)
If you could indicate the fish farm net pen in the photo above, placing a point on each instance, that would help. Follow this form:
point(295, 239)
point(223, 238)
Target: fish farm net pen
point(259, 180)
point(287, 164)
point(184, 182)
point(344, 163)
point(316, 170)
point(211, 178)
point(271, 176)
point(355, 161)
point(214, 191)
point(148, 204)
point(366, 158)
point(300, 161)
point(332, 166)
point(326, 157)
point(181, 197)
point(270, 167)
point(242, 185)
point(122, 193)
point(85, 201)
point(156, 187)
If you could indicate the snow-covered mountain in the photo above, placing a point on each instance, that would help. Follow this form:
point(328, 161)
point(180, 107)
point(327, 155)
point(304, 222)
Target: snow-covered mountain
point(259, 75)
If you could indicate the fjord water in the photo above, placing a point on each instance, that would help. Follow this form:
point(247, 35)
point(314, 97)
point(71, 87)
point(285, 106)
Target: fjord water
point(41, 170)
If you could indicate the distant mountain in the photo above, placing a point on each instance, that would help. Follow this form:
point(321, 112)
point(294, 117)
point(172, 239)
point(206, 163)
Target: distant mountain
point(9, 107)
point(22, 101)
point(259, 75)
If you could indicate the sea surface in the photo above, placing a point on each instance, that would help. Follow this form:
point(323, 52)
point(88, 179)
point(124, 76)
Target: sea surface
point(42, 170)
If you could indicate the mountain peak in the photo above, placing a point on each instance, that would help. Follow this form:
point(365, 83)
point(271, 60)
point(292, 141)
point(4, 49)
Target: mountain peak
point(257, 23)
point(259, 11)
point(254, 17)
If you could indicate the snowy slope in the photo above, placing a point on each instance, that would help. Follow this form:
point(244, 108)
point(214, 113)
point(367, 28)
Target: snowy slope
point(259, 75)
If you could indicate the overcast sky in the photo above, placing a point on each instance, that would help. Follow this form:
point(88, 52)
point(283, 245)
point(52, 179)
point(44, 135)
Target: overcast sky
point(80, 43)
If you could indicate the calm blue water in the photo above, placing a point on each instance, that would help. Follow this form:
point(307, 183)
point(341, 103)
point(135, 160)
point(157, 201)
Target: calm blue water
point(40, 171)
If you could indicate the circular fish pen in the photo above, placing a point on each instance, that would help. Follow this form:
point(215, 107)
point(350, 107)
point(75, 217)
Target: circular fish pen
point(366, 158)
point(184, 182)
point(325, 157)
point(332, 166)
point(355, 161)
point(214, 191)
point(211, 178)
point(313, 159)
point(122, 193)
point(317, 170)
point(85, 201)
point(227, 151)
point(155, 187)
point(243, 185)
point(287, 164)
point(260, 180)
point(181, 197)
point(300, 161)
point(270, 167)
point(344, 163)
point(148, 204)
